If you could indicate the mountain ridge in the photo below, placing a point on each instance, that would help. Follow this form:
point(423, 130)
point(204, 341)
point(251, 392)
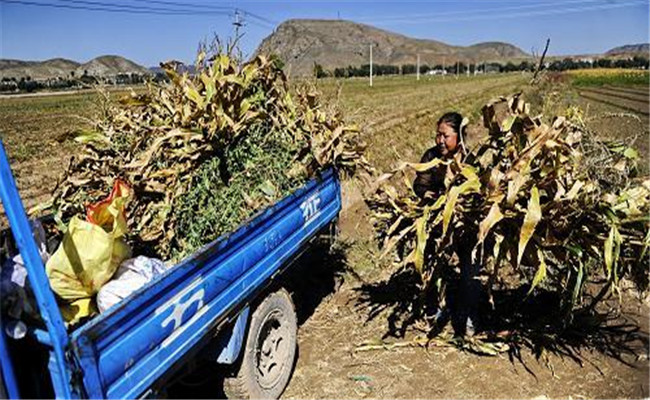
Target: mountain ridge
point(629, 49)
point(301, 43)
point(105, 65)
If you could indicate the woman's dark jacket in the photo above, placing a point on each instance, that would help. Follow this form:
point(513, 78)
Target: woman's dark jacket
point(432, 180)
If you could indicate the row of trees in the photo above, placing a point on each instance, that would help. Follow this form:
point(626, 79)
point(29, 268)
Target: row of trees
point(27, 84)
point(462, 68)
point(567, 63)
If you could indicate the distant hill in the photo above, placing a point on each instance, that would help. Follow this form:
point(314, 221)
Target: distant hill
point(337, 43)
point(110, 65)
point(61, 67)
point(7, 63)
point(629, 49)
point(37, 69)
point(189, 68)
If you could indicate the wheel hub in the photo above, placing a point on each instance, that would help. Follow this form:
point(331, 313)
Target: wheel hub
point(272, 349)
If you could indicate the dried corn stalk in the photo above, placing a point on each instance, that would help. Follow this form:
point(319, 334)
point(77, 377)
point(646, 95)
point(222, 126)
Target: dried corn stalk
point(164, 142)
point(528, 196)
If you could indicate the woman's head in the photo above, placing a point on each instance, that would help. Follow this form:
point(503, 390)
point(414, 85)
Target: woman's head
point(449, 133)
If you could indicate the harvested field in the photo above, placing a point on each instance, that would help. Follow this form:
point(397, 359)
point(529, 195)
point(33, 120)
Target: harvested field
point(38, 133)
point(620, 112)
point(397, 116)
point(619, 93)
point(329, 366)
point(615, 97)
point(640, 90)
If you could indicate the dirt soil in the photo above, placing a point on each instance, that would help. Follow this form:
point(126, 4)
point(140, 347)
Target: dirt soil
point(329, 367)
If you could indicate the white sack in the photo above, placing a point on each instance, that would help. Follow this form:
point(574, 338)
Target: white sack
point(131, 275)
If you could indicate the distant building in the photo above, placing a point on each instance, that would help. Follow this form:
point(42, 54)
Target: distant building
point(491, 68)
point(436, 72)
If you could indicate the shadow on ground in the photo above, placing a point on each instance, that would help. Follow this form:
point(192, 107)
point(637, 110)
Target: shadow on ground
point(517, 320)
point(318, 273)
point(314, 275)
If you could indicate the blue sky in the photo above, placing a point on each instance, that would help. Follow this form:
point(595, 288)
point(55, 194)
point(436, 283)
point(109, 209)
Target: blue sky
point(157, 30)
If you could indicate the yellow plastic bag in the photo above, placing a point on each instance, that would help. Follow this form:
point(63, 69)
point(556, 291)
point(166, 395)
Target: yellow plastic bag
point(90, 252)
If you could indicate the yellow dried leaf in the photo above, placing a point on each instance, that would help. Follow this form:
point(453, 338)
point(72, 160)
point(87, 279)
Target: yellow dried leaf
point(574, 190)
point(421, 243)
point(540, 275)
point(467, 187)
point(421, 167)
point(507, 123)
point(533, 216)
point(194, 95)
point(514, 186)
point(494, 216)
point(608, 252)
point(395, 225)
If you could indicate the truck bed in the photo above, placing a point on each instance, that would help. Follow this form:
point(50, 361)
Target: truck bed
point(125, 350)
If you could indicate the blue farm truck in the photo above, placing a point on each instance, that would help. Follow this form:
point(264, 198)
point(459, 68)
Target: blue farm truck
point(226, 302)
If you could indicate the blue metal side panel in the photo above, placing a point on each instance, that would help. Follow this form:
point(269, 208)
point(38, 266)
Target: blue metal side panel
point(136, 342)
point(36, 274)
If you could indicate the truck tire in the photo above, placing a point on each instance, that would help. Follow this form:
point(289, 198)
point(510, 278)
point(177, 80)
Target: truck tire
point(269, 351)
point(3, 392)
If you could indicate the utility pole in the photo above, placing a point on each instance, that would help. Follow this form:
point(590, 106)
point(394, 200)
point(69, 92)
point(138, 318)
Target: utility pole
point(371, 64)
point(237, 23)
point(418, 71)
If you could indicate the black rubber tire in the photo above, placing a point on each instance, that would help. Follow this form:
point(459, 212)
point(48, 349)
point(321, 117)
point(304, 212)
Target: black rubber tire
point(3, 392)
point(258, 375)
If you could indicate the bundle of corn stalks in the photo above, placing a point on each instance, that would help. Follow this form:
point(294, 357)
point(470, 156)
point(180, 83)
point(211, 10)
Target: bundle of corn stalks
point(205, 151)
point(550, 201)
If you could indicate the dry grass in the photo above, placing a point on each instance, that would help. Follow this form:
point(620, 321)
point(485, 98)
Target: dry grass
point(398, 114)
point(37, 133)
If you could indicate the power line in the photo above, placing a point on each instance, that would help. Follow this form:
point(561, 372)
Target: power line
point(89, 5)
point(526, 14)
point(210, 7)
point(479, 11)
point(190, 5)
point(107, 8)
point(142, 8)
point(259, 18)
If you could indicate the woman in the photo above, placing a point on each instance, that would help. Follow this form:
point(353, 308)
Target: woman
point(450, 145)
